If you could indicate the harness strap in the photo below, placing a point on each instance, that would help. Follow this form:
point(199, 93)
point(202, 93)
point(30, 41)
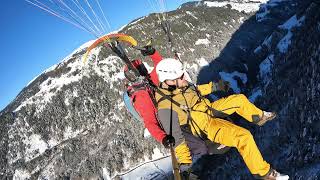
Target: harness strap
point(214, 113)
point(190, 120)
point(170, 98)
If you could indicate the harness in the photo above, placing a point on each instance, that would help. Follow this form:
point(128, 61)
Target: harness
point(190, 121)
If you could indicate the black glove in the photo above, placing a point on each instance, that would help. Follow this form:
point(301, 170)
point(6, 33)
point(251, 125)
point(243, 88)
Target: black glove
point(168, 140)
point(223, 85)
point(147, 50)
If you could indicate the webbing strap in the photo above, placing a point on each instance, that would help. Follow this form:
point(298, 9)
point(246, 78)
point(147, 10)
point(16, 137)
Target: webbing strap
point(168, 97)
point(201, 135)
point(214, 113)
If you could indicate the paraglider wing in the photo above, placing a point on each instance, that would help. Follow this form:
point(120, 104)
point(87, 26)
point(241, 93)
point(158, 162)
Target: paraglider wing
point(110, 38)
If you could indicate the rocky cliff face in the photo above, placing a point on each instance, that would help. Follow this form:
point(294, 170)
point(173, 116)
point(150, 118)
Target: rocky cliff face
point(70, 122)
point(287, 83)
point(294, 91)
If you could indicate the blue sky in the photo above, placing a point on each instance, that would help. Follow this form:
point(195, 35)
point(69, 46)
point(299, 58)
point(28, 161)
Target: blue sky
point(32, 40)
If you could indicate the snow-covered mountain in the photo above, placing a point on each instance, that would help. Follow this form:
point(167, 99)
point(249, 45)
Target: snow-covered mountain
point(70, 121)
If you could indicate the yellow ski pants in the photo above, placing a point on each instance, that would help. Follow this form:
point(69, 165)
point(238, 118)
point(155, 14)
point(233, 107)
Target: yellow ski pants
point(229, 134)
point(238, 103)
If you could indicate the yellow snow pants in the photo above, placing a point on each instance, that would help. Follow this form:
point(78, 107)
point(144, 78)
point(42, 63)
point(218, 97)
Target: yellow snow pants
point(229, 134)
point(238, 103)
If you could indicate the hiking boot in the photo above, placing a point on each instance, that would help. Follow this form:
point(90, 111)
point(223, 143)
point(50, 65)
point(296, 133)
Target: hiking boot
point(274, 175)
point(266, 116)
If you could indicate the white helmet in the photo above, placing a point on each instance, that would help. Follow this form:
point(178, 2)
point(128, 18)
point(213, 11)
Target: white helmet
point(169, 69)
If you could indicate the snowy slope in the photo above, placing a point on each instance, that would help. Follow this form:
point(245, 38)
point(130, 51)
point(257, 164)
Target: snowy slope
point(156, 169)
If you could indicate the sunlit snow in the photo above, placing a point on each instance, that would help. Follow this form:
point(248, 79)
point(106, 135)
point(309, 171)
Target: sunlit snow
point(146, 133)
point(202, 41)
point(190, 13)
point(246, 6)
point(202, 62)
point(159, 169)
point(20, 174)
point(34, 146)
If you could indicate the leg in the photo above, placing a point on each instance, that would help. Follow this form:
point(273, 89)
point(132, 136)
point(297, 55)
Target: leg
point(224, 132)
point(240, 104)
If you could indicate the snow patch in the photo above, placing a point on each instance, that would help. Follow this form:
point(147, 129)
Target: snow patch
point(202, 62)
point(259, 48)
point(202, 41)
point(241, 20)
point(285, 42)
point(105, 174)
point(233, 83)
point(53, 142)
point(157, 154)
point(191, 14)
point(292, 22)
point(68, 133)
point(121, 104)
point(146, 133)
point(21, 174)
point(186, 24)
point(267, 43)
point(34, 146)
point(247, 6)
point(156, 169)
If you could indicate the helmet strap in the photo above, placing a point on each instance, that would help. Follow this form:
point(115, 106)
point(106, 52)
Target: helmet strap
point(172, 87)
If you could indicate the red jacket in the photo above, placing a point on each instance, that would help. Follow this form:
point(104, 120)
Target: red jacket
point(143, 103)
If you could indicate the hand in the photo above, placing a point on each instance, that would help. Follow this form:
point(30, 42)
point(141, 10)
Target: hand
point(168, 140)
point(147, 50)
point(223, 85)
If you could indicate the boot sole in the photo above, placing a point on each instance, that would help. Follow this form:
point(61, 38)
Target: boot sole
point(262, 122)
